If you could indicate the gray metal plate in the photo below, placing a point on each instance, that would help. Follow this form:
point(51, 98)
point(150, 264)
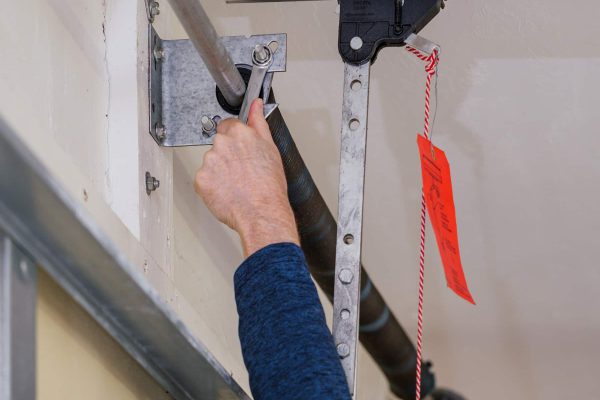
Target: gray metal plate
point(182, 90)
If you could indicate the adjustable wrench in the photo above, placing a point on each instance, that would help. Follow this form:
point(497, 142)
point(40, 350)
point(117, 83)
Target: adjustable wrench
point(262, 58)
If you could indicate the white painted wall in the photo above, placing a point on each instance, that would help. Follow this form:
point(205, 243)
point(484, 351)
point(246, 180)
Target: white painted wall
point(517, 95)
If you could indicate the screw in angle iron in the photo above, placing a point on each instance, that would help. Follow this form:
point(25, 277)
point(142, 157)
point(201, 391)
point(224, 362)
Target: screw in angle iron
point(343, 350)
point(346, 276)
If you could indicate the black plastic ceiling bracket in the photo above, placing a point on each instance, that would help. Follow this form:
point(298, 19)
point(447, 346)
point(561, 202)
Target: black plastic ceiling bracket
point(366, 26)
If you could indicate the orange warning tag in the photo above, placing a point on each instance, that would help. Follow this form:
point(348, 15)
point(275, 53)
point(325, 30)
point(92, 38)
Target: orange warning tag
point(437, 187)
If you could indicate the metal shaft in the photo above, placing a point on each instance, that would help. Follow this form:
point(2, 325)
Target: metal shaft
point(202, 33)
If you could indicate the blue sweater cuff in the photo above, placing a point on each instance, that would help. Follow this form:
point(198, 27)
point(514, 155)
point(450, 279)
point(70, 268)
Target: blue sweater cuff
point(273, 254)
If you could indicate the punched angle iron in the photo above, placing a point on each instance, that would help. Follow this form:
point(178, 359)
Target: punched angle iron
point(365, 27)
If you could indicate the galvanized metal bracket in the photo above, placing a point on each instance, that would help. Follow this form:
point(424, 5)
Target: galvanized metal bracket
point(182, 91)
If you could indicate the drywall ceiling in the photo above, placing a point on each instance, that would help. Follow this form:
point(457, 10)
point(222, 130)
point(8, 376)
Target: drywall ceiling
point(518, 92)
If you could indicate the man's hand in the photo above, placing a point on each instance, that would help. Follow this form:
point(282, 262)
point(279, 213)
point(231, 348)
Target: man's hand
point(243, 184)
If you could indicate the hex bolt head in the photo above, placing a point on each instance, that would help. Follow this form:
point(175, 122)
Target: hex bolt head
point(343, 350)
point(24, 270)
point(158, 53)
point(208, 124)
point(153, 9)
point(346, 276)
point(356, 43)
point(160, 131)
point(151, 183)
point(261, 54)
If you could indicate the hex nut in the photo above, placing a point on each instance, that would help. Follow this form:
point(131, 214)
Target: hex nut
point(346, 276)
point(343, 350)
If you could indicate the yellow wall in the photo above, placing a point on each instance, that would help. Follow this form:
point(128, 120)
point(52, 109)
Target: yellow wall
point(77, 359)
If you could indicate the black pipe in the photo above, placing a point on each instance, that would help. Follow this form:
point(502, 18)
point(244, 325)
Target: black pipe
point(445, 394)
point(380, 333)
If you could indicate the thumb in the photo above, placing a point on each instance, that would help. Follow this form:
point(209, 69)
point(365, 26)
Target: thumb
point(256, 119)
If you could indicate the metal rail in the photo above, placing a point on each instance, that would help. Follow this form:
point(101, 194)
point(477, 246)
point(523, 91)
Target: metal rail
point(203, 35)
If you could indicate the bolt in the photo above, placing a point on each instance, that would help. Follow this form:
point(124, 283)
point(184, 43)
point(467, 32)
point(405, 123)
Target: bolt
point(356, 43)
point(261, 54)
point(160, 131)
point(343, 350)
point(154, 9)
point(24, 268)
point(158, 53)
point(151, 183)
point(208, 125)
point(346, 276)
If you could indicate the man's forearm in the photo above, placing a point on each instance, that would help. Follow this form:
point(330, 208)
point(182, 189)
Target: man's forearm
point(257, 231)
point(287, 347)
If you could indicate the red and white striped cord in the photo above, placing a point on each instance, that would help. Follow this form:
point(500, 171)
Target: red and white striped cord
point(431, 70)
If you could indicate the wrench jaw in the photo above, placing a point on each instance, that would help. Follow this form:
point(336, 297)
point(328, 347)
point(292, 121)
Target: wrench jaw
point(260, 79)
point(269, 108)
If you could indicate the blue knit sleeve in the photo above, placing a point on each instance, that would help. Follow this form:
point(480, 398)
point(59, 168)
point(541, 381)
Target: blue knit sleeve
point(287, 347)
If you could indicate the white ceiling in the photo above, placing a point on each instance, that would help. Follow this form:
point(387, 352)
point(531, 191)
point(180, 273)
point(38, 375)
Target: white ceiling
point(518, 97)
